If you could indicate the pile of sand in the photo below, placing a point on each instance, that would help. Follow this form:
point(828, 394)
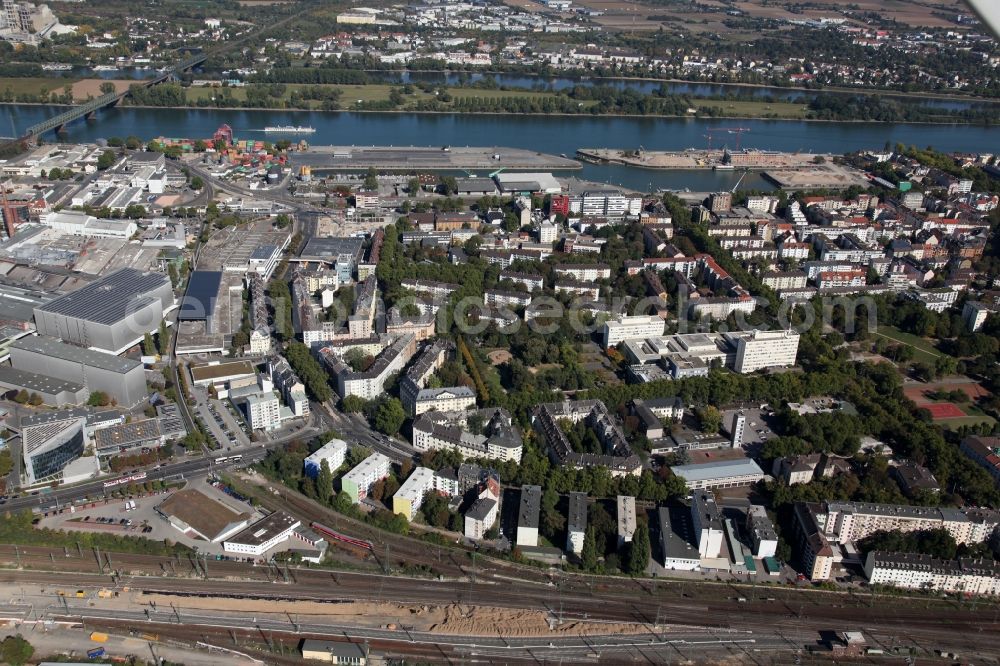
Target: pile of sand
point(450, 619)
point(485, 621)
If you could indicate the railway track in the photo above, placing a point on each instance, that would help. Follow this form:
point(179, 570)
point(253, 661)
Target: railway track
point(626, 601)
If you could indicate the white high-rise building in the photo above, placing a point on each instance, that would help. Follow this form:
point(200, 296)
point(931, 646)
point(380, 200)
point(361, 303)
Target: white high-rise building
point(707, 523)
point(263, 410)
point(333, 452)
point(765, 349)
point(632, 327)
point(736, 432)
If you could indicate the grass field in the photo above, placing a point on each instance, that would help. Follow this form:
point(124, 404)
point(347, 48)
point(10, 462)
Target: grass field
point(923, 349)
point(353, 94)
point(34, 86)
point(973, 416)
point(758, 109)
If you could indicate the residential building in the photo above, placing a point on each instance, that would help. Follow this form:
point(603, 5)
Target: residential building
point(370, 384)
point(720, 202)
point(333, 453)
point(475, 433)
point(262, 410)
point(985, 452)
point(707, 522)
point(514, 299)
point(763, 537)
point(779, 280)
point(799, 469)
point(626, 519)
point(605, 203)
point(482, 515)
point(358, 482)
point(845, 522)
point(836, 279)
point(410, 495)
point(762, 204)
point(583, 272)
point(914, 479)
point(576, 522)
point(527, 280)
point(619, 457)
point(548, 232)
point(527, 516)
point(913, 571)
point(293, 391)
point(626, 328)
point(975, 313)
point(756, 350)
point(815, 552)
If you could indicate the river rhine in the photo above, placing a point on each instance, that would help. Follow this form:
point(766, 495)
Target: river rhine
point(550, 134)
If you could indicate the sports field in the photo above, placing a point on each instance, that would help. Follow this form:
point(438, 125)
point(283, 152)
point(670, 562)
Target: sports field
point(943, 410)
point(923, 349)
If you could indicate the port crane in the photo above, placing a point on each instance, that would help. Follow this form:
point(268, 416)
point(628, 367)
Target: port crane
point(738, 131)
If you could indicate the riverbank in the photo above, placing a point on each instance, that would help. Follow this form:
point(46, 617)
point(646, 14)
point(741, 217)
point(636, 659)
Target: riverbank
point(650, 116)
point(591, 79)
point(424, 112)
point(421, 98)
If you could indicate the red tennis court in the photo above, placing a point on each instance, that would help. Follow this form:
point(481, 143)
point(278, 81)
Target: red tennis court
point(943, 410)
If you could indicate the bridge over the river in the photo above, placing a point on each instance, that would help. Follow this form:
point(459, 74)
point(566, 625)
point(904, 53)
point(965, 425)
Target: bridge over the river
point(89, 108)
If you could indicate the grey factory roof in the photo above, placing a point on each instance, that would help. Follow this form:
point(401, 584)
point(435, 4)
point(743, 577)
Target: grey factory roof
point(110, 299)
point(201, 295)
point(327, 248)
point(264, 529)
point(31, 381)
point(42, 418)
point(19, 304)
point(127, 434)
point(58, 349)
point(717, 470)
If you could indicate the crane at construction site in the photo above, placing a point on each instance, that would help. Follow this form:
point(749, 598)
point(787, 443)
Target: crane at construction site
point(738, 131)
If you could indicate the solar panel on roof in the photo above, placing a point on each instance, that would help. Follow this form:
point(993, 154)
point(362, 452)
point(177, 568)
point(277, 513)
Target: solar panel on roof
point(201, 295)
point(110, 299)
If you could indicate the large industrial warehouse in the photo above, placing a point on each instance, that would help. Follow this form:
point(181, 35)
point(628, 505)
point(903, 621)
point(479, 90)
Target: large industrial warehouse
point(110, 314)
point(122, 379)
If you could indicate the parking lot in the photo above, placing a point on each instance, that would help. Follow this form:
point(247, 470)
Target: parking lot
point(756, 431)
point(143, 520)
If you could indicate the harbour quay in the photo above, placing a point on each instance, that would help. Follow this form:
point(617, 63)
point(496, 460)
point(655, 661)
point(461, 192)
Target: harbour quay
point(440, 158)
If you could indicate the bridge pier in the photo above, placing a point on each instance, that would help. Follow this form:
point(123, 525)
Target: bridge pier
point(91, 117)
point(60, 130)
